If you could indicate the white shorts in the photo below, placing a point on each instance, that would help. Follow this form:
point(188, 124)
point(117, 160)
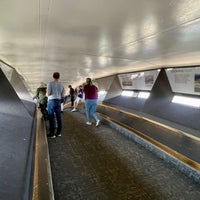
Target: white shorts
point(78, 99)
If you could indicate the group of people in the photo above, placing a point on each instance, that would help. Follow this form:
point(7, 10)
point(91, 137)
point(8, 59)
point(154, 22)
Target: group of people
point(53, 95)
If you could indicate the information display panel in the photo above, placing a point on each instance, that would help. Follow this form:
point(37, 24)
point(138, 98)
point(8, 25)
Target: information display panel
point(184, 80)
point(138, 80)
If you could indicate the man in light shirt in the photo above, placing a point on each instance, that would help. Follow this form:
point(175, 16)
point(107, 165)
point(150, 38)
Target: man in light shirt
point(55, 92)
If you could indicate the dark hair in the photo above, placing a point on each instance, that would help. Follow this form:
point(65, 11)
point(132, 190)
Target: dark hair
point(88, 80)
point(56, 75)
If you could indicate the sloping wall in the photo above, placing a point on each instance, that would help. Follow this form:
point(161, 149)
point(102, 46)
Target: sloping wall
point(111, 85)
point(19, 86)
point(17, 125)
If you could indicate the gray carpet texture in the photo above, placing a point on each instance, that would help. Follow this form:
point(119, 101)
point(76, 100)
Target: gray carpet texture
point(98, 163)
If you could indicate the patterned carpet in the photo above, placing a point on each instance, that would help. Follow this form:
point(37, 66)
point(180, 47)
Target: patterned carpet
point(98, 163)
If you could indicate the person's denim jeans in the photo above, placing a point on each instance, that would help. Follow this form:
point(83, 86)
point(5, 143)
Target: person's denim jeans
point(54, 108)
point(91, 107)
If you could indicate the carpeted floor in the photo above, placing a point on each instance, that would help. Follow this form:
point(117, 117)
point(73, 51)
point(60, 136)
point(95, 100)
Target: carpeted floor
point(98, 163)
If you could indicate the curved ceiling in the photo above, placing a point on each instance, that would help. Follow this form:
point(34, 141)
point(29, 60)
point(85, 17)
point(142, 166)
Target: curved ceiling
point(97, 38)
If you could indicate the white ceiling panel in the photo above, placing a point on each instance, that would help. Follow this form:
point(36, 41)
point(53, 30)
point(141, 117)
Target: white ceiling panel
point(81, 38)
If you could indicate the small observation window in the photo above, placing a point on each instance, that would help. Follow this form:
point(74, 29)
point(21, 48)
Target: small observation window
point(144, 95)
point(189, 101)
point(127, 93)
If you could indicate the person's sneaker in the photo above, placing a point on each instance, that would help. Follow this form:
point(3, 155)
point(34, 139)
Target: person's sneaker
point(59, 135)
point(51, 136)
point(73, 110)
point(89, 123)
point(97, 123)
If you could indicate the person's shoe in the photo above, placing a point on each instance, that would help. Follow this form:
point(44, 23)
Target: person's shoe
point(59, 135)
point(73, 110)
point(97, 123)
point(89, 123)
point(51, 136)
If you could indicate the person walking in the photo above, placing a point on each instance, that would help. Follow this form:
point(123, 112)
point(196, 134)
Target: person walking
point(71, 94)
point(91, 96)
point(42, 99)
point(79, 98)
point(55, 92)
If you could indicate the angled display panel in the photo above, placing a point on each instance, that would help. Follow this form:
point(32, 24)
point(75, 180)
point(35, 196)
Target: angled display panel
point(7, 70)
point(184, 80)
point(138, 80)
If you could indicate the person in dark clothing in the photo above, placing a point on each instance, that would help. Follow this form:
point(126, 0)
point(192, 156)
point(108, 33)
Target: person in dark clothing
point(42, 99)
point(72, 95)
